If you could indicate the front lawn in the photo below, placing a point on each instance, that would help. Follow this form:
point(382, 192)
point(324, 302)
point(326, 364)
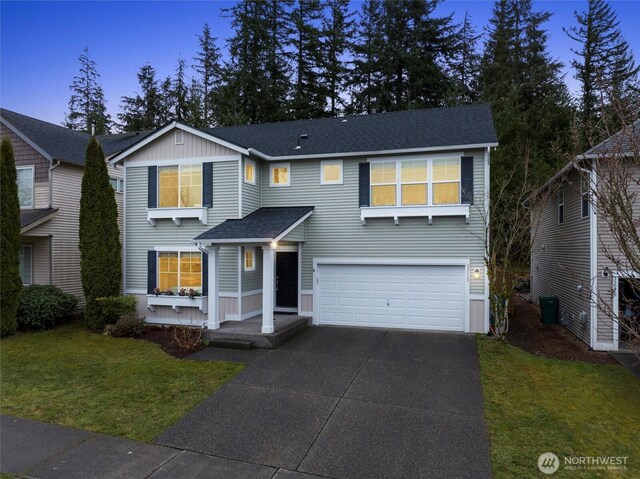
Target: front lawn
point(121, 387)
point(535, 405)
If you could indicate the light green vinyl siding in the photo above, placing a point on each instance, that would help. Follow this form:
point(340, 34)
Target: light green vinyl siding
point(251, 193)
point(142, 237)
point(252, 280)
point(298, 234)
point(334, 229)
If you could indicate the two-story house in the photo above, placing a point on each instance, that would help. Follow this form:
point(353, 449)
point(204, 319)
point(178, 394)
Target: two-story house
point(49, 163)
point(373, 220)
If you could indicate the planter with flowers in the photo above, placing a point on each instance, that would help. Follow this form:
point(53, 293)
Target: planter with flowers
point(185, 298)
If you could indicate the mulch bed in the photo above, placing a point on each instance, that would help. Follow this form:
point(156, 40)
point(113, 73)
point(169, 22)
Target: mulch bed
point(164, 337)
point(552, 341)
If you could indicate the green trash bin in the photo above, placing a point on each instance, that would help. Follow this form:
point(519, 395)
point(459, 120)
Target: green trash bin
point(549, 306)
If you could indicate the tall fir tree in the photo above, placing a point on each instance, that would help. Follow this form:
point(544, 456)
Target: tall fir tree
point(208, 66)
point(142, 111)
point(87, 105)
point(99, 245)
point(465, 65)
point(10, 283)
point(604, 66)
point(337, 30)
point(180, 91)
point(166, 101)
point(194, 113)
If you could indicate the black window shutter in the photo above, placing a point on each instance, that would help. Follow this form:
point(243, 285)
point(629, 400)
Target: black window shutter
point(364, 182)
point(151, 271)
point(466, 180)
point(205, 274)
point(207, 184)
point(152, 191)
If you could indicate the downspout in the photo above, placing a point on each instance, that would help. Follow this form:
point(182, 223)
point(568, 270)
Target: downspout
point(54, 164)
point(593, 256)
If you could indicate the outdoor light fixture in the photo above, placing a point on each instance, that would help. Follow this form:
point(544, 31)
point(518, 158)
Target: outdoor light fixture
point(476, 273)
point(274, 244)
point(605, 272)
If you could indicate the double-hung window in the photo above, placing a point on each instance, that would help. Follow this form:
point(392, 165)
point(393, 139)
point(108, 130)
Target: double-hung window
point(180, 186)
point(416, 182)
point(25, 186)
point(249, 171)
point(249, 259)
point(25, 256)
point(179, 269)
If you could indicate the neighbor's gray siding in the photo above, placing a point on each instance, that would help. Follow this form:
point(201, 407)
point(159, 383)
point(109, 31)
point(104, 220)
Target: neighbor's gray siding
point(334, 228)
point(40, 250)
point(142, 237)
point(560, 255)
point(26, 155)
point(252, 194)
point(164, 148)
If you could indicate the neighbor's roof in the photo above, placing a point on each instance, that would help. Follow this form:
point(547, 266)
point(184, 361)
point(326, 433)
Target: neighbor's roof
point(402, 130)
point(35, 217)
point(59, 143)
point(262, 226)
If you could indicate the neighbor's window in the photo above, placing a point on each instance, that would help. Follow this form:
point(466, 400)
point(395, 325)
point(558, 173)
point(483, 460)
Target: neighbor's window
point(26, 264)
point(561, 205)
point(584, 197)
point(249, 259)
point(414, 176)
point(280, 174)
point(180, 186)
point(250, 171)
point(331, 172)
point(117, 185)
point(383, 183)
point(25, 186)
point(446, 181)
point(178, 270)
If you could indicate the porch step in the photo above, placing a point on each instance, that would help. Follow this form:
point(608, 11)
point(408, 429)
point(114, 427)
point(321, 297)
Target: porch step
point(230, 343)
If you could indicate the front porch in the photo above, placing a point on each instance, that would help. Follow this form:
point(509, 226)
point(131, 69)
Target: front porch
point(248, 333)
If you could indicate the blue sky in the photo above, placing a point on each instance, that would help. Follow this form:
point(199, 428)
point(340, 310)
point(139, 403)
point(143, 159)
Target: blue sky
point(40, 42)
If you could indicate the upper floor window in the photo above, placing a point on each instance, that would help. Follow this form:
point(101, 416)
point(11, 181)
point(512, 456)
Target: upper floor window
point(178, 270)
point(26, 264)
point(561, 205)
point(117, 185)
point(280, 174)
point(584, 197)
point(25, 186)
point(180, 186)
point(331, 172)
point(416, 182)
point(249, 171)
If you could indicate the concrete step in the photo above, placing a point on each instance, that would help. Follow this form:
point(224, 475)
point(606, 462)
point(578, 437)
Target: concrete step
point(231, 343)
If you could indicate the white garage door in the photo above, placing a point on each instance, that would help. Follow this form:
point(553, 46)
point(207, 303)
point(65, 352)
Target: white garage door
point(393, 296)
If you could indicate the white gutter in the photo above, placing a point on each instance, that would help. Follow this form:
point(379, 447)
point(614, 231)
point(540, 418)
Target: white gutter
point(593, 258)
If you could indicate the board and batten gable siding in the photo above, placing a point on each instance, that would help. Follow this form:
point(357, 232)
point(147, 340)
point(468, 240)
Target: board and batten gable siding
point(334, 229)
point(560, 255)
point(165, 148)
point(606, 240)
point(252, 194)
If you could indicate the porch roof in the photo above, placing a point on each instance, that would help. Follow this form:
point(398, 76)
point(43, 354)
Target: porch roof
point(32, 218)
point(265, 225)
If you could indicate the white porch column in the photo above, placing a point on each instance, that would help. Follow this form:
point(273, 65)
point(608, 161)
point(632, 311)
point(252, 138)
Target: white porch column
point(268, 287)
point(213, 306)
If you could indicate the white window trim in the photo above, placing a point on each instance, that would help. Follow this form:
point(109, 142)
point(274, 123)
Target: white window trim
point(179, 166)
point(324, 163)
point(247, 162)
point(584, 190)
point(272, 166)
point(33, 186)
point(252, 249)
point(178, 136)
point(159, 250)
point(119, 184)
point(561, 205)
point(30, 247)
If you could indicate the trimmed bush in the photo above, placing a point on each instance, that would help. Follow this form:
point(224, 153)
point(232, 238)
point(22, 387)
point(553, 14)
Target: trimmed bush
point(128, 326)
point(43, 306)
point(108, 310)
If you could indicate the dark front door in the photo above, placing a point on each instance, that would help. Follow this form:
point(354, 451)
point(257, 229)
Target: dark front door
point(287, 279)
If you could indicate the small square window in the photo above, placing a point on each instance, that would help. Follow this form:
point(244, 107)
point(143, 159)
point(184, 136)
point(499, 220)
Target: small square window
point(279, 174)
point(249, 259)
point(249, 171)
point(331, 172)
point(179, 137)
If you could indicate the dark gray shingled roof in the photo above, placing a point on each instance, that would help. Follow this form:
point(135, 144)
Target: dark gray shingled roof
point(64, 144)
point(264, 224)
point(31, 216)
point(433, 127)
point(623, 142)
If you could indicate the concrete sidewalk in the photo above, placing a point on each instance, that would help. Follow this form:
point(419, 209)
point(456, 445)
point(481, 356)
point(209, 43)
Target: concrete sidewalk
point(31, 449)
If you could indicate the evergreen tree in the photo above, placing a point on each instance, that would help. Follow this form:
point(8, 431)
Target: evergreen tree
point(100, 249)
point(465, 65)
point(166, 102)
point(10, 283)
point(87, 106)
point(180, 91)
point(142, 112)
point(337, 30)
point(207, 65)
point(195, 106)
point(605, 65)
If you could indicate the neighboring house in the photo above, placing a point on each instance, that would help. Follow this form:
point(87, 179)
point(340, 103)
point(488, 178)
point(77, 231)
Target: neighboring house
point(49, 162)
point(373, 220)
point(567, 256)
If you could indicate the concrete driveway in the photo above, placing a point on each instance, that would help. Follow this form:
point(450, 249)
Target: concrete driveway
point(348, 403)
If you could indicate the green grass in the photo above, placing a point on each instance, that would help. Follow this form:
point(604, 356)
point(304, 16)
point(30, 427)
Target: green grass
point(535, 405)
point(121, 387)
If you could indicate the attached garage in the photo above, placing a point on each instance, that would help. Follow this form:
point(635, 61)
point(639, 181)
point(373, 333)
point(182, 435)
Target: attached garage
point(407, 296)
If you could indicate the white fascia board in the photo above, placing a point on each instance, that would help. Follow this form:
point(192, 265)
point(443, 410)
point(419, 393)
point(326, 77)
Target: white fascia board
point(26, 139)
point(292, 227)
point(243, 241)
point(30, 226)
point(266, 157)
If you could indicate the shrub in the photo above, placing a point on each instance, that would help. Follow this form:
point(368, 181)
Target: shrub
point(42, 306)
point(128, 326)
point(109, 309)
